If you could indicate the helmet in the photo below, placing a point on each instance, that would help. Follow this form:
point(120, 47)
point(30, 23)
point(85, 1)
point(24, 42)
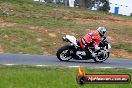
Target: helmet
point(102, 31)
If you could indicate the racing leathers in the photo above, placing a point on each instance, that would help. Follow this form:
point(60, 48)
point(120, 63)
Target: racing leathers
point(90, 41)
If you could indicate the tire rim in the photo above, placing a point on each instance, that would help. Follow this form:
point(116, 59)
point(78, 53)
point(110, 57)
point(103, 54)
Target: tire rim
point(64, 56)
point(105, 56)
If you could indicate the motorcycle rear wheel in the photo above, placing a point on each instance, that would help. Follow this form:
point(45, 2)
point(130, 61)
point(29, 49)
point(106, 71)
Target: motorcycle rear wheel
point(63, 54)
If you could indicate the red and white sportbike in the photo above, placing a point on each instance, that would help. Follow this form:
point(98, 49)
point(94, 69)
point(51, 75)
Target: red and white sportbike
point(74, 51)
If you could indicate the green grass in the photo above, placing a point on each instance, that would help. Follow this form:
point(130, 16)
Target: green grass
point(52, 77)
point(47, 22)
point(48, 15)
point(19, 40)
point(125, 46)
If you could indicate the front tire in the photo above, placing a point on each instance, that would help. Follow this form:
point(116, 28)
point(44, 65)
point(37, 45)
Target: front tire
point(64, 53)
point(101, 60)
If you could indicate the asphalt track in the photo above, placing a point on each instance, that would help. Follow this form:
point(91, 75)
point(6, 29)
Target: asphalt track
point(40, 60)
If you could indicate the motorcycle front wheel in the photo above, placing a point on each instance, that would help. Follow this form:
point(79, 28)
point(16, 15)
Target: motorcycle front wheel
point(102, 59)
point(65, 53)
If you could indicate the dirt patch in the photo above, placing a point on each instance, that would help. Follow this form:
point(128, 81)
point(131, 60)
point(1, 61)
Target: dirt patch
point(99, 18)
point(45, 51)
point(82, 21)
point(1, 49)
point(121, 53)
point(106, 21)
point(36, 29)
point(39, 29)
point(52, 34)
point(6, 24)
point(117, 38)
point(6, 36)
point(39, 40)
point(125, 23)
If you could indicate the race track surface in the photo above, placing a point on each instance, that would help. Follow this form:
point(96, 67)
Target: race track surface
point(25, 59)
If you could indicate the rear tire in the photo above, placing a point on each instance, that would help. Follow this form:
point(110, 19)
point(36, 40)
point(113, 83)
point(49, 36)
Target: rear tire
point(62, 53)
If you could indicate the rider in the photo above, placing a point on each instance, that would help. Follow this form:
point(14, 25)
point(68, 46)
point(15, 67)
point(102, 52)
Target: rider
point(92, 39)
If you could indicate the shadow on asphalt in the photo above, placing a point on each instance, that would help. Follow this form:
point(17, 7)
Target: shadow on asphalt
point(80, 61)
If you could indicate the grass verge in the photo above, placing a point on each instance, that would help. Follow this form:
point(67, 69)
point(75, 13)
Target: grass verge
point(52, 77)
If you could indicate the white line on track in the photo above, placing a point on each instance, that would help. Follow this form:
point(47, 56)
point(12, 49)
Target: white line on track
point(41, 65)
point(66, 66)
point(129, 68)
point(73, 66)
point(105, 67)
point(9, 64)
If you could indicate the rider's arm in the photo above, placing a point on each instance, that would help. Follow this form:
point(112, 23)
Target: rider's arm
point(96, 46)
point(97, 41)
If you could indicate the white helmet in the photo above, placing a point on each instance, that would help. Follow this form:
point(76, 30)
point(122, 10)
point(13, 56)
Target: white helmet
point(102, 31)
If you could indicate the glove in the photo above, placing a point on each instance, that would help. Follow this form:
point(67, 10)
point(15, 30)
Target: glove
point(97, 47)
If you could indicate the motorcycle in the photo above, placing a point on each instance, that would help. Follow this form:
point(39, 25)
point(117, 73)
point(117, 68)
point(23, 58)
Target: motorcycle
point(74, 51)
